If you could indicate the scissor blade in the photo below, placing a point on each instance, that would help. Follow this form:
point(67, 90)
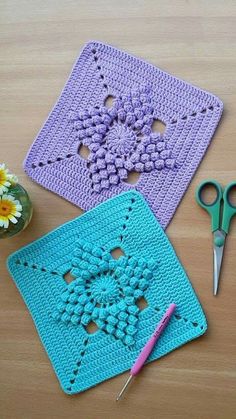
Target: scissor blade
point(219, 236)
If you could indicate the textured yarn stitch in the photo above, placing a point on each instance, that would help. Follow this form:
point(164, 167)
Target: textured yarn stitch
point(105, 291)
point(120, 138)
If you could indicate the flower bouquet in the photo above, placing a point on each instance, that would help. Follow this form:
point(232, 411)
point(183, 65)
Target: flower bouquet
point(15, 205)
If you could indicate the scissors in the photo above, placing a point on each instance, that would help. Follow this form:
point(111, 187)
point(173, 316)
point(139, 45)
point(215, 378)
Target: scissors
point(219, 228)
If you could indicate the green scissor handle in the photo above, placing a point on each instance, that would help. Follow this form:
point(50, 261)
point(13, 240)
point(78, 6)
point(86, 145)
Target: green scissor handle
point(229, 209)
point(213, 208)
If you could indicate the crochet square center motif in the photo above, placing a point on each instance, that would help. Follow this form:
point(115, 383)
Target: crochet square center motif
point(120, 139)
point(105, 291)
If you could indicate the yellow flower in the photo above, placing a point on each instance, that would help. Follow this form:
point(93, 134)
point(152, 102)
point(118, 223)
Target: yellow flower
point(10, 210)
point(6, 179)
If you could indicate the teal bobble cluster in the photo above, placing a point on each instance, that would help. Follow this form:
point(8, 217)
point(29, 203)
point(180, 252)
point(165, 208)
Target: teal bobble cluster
point(105, 291)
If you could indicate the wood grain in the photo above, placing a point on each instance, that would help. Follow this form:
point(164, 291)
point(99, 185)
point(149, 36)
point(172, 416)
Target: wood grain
point(195, 40)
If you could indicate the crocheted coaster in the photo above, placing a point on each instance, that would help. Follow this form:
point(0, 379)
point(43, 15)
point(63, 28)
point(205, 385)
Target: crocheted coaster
point(105, 291)
point(120, 138)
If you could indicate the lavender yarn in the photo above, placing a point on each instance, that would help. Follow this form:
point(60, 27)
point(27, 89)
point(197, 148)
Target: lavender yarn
point(120, 138)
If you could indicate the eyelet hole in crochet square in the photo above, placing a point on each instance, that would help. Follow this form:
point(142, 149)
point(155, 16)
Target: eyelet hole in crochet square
point(132, 177)
point(158, 126)
point(142, 303)
point(108, 102)
point(91, 328)
point(83, 151)
point(68, 277)
point(117, 253)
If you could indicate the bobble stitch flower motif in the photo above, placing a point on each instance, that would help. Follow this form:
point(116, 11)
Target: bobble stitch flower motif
point(105, 291)
point(120, 139)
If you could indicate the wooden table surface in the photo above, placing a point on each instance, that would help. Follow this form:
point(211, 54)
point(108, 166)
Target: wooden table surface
point(195, 40)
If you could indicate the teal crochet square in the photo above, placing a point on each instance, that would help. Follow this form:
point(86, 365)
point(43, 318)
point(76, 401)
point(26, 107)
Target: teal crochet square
point(105, 291)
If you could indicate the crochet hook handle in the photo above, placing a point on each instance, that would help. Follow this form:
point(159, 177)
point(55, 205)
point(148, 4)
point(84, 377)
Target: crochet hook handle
point(152, 341)
point(148, 347)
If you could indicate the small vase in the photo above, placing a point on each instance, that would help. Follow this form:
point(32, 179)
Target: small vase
point(19, 193)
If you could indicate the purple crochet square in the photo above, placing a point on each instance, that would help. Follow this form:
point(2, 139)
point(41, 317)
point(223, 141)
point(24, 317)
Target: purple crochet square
point(120, 138)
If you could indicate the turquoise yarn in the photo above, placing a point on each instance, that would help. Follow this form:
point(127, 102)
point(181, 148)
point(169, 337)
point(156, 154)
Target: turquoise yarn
point(105, 291)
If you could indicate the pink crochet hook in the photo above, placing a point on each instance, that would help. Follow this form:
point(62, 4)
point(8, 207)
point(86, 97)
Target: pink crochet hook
point(144, 354)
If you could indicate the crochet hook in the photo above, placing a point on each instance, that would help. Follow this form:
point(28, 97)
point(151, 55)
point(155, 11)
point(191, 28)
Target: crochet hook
point(144, 354)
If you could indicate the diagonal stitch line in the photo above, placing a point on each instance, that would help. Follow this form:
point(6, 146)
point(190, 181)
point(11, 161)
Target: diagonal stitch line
point(35, 267)
point(58, 159)
point(99, 68)
point(78, 364)
point(129, 209)
point(194, 114)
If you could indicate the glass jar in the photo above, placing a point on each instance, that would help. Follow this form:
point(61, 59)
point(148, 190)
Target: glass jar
point(19, 193)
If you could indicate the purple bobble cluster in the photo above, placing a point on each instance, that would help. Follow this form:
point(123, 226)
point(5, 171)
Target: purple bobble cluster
point(152, 154)
point(132, 110)
point(120, 139)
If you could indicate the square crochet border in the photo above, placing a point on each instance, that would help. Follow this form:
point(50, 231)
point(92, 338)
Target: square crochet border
point(81, 360)
point(191, 116)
